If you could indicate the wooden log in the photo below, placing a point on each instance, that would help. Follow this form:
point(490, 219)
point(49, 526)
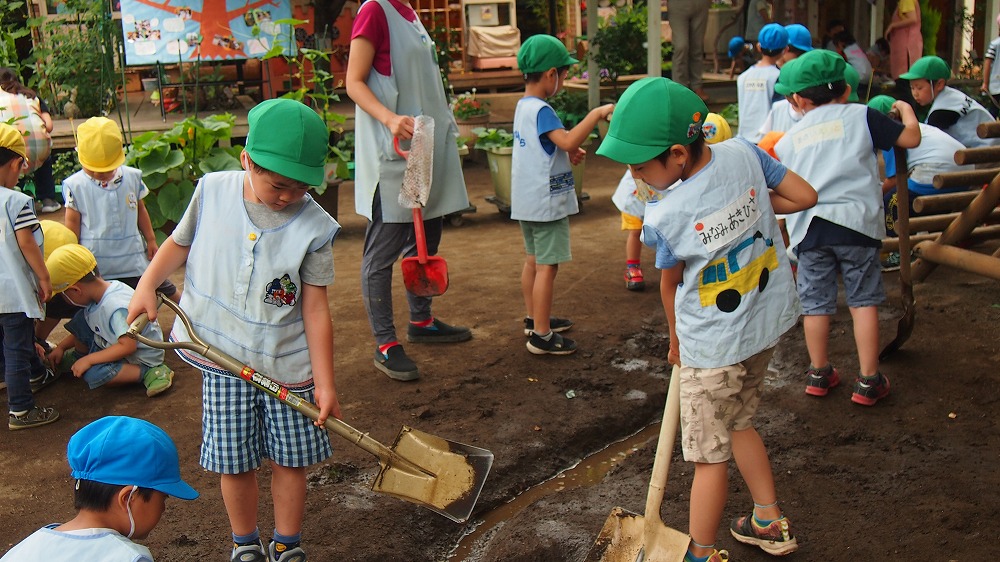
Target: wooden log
point(937, 223)
point(944, 202)
point(959, 229)
point(982, 155)
point(978, 235)
point(966, 260)
point(974, 178)
point(988, 130)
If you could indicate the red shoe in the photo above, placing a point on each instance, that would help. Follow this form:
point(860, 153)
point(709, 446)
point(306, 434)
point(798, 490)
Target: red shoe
point(633, 278)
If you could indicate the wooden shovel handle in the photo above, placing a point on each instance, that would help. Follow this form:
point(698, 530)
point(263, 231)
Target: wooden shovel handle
point(664, 449)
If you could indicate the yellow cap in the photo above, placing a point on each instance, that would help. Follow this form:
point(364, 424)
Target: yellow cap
point(100, 145)
point(716, 129)
point(67, 265)
point(13, 139)
point(56, 235)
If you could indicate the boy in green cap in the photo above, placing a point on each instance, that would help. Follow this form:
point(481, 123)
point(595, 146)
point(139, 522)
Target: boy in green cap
point(258, 257)
point(542, 193)
point(950, 110)
point(833, 148)
point(727, 292)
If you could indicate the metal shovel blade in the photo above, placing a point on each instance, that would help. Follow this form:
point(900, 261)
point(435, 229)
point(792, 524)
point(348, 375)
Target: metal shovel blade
point(622, 539)
point(449, 479)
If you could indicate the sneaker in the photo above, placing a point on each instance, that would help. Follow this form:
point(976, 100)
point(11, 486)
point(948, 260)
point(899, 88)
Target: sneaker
point(437, 332)
point(633, 278)
point(557, 325)
point(291, 555)
point(820, 381)
point(50, 205)
point(868, 392)
point(32, 418)
point(556, 345)
point(891, 262)
point(43, 380)
point(717, 556)
point(157, 380)
point(775, 539)
point(253, 552)
point(396, 365)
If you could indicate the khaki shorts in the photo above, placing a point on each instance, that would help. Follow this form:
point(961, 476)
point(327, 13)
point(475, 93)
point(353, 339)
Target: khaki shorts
point(715, 402)
point(631, 222)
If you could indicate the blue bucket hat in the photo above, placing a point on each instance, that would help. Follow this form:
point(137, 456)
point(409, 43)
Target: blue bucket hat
point(799, 37)
point(127, 451)
point(772, 37)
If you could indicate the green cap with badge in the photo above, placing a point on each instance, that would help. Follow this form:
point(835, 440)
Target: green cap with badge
point(542, 52)
point(652, 115)
point(928, 68)
point(818, 67)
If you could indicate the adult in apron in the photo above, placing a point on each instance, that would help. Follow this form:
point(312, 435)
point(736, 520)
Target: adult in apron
point(393, 75)
point(906, 44)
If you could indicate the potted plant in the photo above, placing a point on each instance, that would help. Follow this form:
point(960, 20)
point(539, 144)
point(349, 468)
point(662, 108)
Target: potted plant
point(470, 113)
point(621, 45)
point(499, 147)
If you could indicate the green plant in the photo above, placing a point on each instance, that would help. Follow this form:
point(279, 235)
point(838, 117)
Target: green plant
point(465, 106)
point(620, 43)
point(309, 69)
point(570, 106)
point(930, 23)
point(76, 58)
point(12, 29)
point(64, 165)
point(172, 162)
point(731, 113)
point(487, 138)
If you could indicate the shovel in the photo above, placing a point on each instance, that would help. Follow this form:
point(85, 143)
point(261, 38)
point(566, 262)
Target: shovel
point(441, 475)
point(423, 275)
point(902, 227)
point(627, 537)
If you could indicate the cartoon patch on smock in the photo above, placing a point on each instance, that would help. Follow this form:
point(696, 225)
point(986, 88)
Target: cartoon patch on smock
point(132, 201)
point(280, 292)
point(723, 282)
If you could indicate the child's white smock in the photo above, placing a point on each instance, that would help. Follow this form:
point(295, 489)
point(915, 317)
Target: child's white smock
point(50, 545)
point(242, 284)
point(831, 148)
point(541, 187)
point(98, 316)
point(414, 88)
point(109, 220)
point(755, 94)
point(738, 295)
point(20, 285)
point(971, 114)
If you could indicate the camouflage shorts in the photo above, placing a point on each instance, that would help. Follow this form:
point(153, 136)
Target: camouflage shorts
point(716, 402)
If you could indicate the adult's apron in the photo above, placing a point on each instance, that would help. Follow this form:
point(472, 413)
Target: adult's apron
point(413, 88)
point(906, 44)
point(27, 117)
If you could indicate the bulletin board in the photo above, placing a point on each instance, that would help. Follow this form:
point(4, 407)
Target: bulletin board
point(172, 31)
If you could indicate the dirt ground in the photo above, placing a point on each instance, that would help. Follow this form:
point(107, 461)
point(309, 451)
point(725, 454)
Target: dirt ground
point(913, 478)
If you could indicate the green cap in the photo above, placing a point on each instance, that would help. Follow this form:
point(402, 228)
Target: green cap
point(928, 68)
point(818, 67)
point(542, 52)
point(288, 138)
point(853, 78)
point(882, 104)
point(652, 115)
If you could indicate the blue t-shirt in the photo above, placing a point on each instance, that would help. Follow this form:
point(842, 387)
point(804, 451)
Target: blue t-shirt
point(548, 121)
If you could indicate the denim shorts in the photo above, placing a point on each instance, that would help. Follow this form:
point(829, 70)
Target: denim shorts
point(817, 278)
point(547, 241)
point(100, 373)
point(716, 402)
point(242, 424)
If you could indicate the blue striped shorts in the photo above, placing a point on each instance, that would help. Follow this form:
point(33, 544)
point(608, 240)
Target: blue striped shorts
point(241, 425)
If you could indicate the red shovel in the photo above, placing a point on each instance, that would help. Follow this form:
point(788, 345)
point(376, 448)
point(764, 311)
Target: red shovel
point(423, 275)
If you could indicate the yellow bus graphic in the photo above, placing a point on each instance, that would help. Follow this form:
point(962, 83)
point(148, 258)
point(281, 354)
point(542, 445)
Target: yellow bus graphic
point(723, 282)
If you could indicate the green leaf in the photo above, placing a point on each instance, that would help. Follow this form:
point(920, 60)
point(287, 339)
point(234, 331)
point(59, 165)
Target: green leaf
point(154, 180)
point(219, 160)
point(161, 160)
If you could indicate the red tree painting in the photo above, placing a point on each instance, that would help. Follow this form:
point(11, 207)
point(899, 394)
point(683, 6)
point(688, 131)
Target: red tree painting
point(214, 19)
